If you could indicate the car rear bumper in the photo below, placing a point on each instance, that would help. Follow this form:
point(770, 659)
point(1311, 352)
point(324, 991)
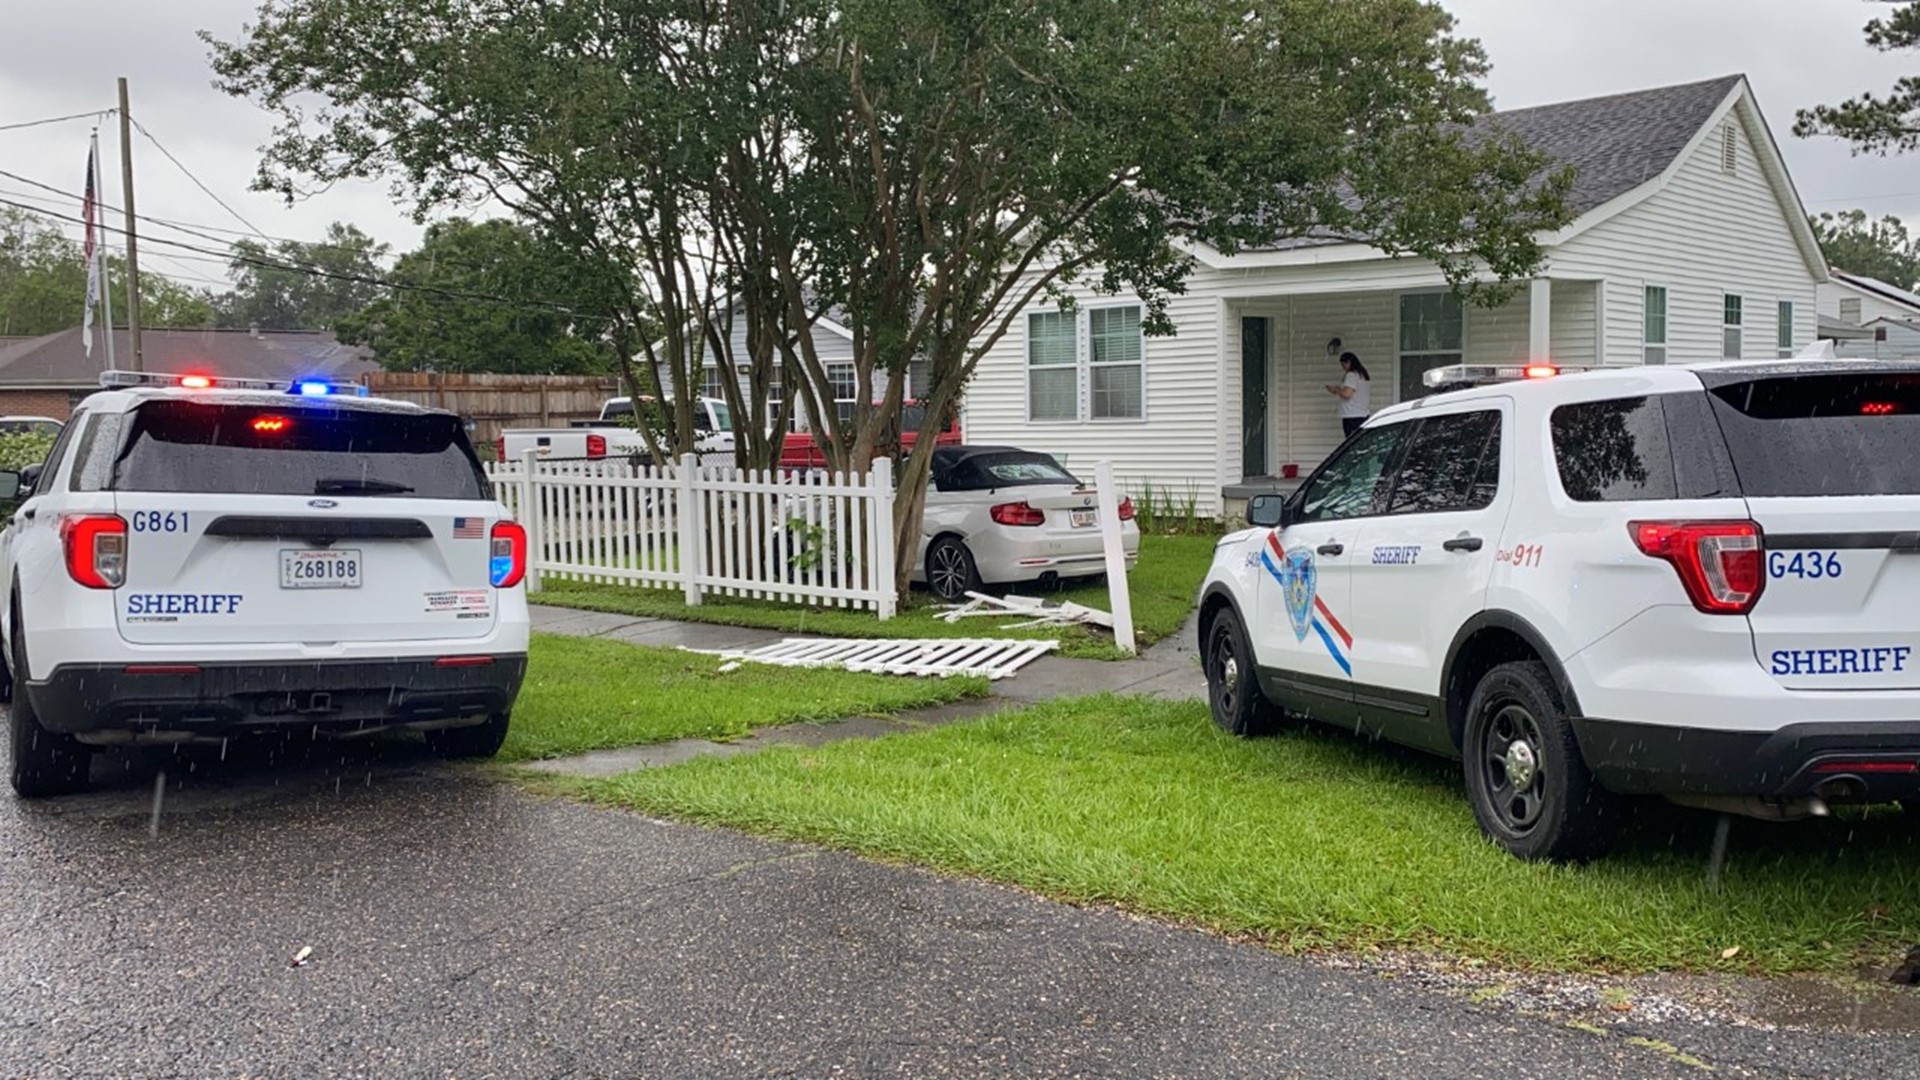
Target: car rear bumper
point(1842, 761)
point(1007, 554)
point(87, 698)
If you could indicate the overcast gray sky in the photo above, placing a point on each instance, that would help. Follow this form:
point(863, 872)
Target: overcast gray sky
point(62, 57)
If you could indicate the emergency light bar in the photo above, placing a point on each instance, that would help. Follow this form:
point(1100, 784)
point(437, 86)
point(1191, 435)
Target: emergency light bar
point(1485, 374)
point(114, 380)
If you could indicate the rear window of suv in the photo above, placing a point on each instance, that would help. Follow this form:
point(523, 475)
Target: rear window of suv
point(201, 447)
point(1839, 433)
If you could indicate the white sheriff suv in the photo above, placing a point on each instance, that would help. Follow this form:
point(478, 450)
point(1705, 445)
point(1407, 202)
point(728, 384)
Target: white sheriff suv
point(1691, 581)
point(201, 556)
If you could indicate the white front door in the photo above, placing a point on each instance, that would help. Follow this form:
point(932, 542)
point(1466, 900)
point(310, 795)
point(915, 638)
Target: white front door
point(1423, 565)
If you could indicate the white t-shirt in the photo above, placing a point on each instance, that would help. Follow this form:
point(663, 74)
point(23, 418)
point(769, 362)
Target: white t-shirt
point(1355, 406)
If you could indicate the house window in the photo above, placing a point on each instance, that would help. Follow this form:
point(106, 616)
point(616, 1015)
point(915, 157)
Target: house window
point(710, 383)
point(1433, 330)
point(846, 389)
point(1730, 340)
point(1783, 336)
point(1729, 148)
point(1086, 365)
point(1653, 336)
point(1850, 310)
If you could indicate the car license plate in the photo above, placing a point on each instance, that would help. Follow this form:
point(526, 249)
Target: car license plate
point(320, 569)
point(1082, 518)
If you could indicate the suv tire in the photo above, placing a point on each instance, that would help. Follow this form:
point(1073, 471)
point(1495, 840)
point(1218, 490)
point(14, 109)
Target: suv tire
point(43, 762)
point(1529, 786)
point(1234, 696)
point(481, 740)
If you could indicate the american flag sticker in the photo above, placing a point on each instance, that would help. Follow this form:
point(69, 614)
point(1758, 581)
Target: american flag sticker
point(468, 528)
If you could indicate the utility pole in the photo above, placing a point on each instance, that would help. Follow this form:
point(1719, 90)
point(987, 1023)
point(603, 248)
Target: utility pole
point(133, 247)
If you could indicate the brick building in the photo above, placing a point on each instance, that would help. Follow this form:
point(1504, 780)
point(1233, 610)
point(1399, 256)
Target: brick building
point(45, 376)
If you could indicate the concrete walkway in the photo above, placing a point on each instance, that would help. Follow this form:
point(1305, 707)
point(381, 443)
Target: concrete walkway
point(1170, 669)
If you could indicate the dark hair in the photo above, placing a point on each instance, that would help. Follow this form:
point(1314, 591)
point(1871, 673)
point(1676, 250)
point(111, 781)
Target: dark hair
point(1348, 358)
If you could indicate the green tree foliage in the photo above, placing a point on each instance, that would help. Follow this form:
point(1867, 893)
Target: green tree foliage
point(488, 297)
point(931, 167)
point(1876, 124)
point(1877, 249)
point(43, 284)
point(295, 285)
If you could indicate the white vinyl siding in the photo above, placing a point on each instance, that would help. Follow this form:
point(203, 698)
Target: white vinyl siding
point(1732, 339)
point(1850, 309)
point(1086, 364)
point(1783, 332)
point(1653, 331)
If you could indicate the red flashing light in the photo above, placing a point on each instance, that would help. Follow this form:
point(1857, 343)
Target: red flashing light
point(1720, 563)
point(1018, 513)
point(270, 425)
point(1541, 371)
point(196, 382)
point(1878, 408)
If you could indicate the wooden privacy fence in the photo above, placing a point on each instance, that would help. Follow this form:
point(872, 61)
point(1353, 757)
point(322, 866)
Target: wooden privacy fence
point(494, 402)
point(707, 529)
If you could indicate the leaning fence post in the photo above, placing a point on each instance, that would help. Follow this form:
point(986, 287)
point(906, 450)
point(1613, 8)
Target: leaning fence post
point(692, 541)
point(881, 566)
point(529, 508)
point(1110, 536)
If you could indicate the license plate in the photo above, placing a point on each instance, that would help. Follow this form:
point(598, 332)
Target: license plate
point(320, 569)
point(1082, 518)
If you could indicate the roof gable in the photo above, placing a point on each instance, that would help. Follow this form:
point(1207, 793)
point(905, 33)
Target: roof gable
point(1877, 288)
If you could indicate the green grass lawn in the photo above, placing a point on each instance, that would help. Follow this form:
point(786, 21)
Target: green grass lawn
point(1308, 840)
point(1163, 585)
point(586, 694)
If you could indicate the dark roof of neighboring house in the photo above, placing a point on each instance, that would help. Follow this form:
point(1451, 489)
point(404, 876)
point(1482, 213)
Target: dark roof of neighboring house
point(1614, 144)
point(1877, 287)
point(60, 360)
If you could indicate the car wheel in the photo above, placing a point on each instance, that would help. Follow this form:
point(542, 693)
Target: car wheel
point(1529, 786)
point(1233, 690)
point(475, 741)
point(951, 572)
point(44, 762)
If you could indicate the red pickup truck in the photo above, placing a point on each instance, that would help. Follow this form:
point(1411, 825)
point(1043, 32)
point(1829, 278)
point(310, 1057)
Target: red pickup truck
point(800, 451)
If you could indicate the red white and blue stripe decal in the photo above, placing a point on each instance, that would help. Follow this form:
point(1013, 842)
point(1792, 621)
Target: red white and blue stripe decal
point(1299, 589)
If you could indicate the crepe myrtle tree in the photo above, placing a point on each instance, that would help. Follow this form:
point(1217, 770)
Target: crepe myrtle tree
point(932, 168)
point(1877, 124)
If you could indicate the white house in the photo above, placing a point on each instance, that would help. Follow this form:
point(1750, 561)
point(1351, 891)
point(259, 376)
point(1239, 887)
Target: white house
point(1884, 319)
point(1690, 243)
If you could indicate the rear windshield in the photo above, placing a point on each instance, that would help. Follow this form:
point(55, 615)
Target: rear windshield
point(1847, 433)
point(192, 446)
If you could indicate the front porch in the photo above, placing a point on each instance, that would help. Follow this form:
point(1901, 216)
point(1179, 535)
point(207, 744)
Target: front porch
point(1279, 354)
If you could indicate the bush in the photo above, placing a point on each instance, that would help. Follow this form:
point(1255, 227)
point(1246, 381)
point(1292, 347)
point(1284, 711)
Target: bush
point(23, 448)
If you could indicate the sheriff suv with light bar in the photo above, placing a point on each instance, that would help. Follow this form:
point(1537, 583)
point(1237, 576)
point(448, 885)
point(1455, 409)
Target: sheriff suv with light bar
point(1695, 582)
point(201, 556)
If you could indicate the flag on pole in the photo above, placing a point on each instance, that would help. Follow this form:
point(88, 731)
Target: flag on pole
point(88, 206)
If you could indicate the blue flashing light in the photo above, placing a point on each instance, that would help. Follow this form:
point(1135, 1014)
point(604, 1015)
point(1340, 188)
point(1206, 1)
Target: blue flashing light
point(314, 388)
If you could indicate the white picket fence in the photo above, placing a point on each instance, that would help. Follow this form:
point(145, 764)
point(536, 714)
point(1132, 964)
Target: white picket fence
point(707, 529)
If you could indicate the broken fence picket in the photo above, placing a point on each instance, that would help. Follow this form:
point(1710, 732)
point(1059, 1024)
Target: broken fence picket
point(992, 658)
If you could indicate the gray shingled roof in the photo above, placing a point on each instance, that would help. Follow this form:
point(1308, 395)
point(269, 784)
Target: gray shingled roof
point(1614, 144)
point(59, 359)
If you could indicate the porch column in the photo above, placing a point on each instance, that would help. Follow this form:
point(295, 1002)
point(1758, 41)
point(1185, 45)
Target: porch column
point(1540, 320)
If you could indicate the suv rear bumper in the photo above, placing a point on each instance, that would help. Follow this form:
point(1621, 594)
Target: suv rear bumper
point(1852, 762)
point(83, 698)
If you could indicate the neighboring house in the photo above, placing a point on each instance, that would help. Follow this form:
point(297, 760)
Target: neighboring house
point(1868, 318)
point(45, 376)
point(832, 343)
point(1689, 243)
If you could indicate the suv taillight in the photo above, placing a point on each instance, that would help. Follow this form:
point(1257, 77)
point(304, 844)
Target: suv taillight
point(508, 566)
point(596, 446)
point(96, 546)
point(1722, 564)
point(1018, 514)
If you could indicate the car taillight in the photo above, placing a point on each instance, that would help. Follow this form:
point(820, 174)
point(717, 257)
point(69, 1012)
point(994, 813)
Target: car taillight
point(508, 566)
point(1018, 514)
point(500, 449)
point(96, 546)
point(1722, 564)
point(596, 446)
point(1126, 509)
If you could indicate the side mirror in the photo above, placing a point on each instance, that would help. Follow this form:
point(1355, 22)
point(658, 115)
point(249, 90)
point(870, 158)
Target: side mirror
point(29, 479)
point(9, 486)
point(1269, 511)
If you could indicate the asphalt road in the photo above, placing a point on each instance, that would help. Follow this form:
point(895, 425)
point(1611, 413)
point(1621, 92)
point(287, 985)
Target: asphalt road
point(460, 927)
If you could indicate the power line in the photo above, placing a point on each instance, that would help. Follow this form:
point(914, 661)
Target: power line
point(188, 173)
point(58, 119)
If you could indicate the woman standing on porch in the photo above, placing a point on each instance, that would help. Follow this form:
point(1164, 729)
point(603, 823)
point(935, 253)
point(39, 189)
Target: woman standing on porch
point(1352, 392)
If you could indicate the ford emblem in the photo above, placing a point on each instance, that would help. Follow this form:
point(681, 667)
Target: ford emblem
point(322, 504)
